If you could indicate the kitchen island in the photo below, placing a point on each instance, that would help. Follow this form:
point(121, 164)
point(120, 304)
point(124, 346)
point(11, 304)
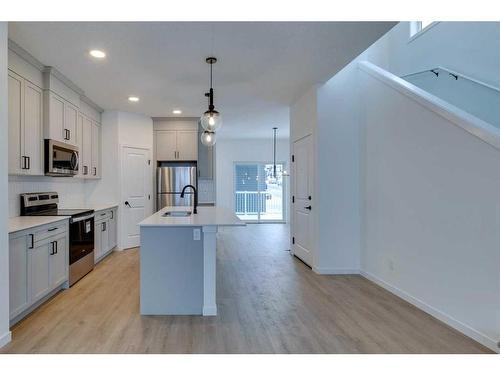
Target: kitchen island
point(178, 260)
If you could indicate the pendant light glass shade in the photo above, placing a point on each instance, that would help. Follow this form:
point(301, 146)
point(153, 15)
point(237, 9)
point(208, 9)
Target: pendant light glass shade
point(211, 121)
point(208, 138)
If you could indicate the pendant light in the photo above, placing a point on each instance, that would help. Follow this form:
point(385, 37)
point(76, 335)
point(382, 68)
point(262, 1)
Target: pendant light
point(208, 138)
point(211, 120)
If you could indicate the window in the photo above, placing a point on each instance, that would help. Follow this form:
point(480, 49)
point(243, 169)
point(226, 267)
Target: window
point(258, 196)
point(417, 27)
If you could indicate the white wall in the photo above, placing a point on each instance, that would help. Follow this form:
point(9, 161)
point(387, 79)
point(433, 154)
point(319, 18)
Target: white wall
point(427, 222)
point(4, 241)
point(432, 220)
point(118, 129)
point(230, 151)
point(71, 190)
point(466, 47)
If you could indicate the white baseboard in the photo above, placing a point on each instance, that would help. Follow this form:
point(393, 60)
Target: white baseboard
point(5, 338)
point(459, 326)
point(335, 271)
point(209, 310)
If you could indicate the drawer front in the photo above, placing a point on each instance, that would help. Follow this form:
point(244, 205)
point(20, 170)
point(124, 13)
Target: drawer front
point(103, 215)
point(51, 230)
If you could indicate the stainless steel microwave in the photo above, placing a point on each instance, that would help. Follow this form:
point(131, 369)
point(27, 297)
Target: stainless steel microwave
point(61, 159)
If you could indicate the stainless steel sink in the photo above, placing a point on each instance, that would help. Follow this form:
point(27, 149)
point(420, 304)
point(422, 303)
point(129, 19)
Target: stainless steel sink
point(177, 213)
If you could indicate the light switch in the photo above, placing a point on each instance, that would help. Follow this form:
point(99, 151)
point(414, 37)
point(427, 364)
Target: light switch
point(197, 234)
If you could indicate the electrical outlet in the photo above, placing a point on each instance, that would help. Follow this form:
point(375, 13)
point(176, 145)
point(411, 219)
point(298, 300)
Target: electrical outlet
point(197, 234)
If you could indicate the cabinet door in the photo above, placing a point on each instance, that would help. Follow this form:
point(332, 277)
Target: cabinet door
point(18, 274)
point(56, 118)
point(86, 150)
point(187, 145)
point(58, 262)
point(39, 270)
point(16, 114)
point(33, 129)
point(70, 123)
point(97, 240)
point(96, 145)
point(105, 236)
point(79, 143)
point(112, 230)
point(166, 145)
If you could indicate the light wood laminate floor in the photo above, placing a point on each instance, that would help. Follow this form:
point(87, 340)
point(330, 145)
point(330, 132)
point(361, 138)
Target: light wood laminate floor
point(269, 302)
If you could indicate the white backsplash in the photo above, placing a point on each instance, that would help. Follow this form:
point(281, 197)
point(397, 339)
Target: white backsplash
point(206, 191)
point(71, 190)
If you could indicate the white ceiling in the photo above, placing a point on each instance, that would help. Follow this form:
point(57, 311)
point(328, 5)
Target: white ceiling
point(262, 67)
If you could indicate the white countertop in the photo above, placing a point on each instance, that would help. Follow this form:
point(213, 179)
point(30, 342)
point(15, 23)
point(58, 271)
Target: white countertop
point(206, 216)
point(19, 223)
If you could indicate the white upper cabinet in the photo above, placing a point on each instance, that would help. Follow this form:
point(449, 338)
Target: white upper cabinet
point(187, 145)
point(61, 118)
point(96, 146)
point(54, 117)
point(16, 121)
point(166, 145)
point(86, 147)
point(70, 134)
point(176, 145)
point(25, 126)
point(33, 128)
point(43, 104)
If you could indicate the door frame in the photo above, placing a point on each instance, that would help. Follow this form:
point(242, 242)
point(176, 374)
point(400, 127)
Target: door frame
point(285, 197)
point(121, 212)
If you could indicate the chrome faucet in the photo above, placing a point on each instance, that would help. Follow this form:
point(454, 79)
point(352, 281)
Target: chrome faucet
point(195, 196)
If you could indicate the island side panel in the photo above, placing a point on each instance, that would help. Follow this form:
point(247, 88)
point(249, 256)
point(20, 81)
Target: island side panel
point(209, 270)
point(171, 271)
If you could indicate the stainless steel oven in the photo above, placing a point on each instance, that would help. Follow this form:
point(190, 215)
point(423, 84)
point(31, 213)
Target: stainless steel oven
point(81, 246)
point(61, 159)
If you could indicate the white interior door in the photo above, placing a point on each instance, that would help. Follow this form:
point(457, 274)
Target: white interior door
point(136, 184)
point(302, 218)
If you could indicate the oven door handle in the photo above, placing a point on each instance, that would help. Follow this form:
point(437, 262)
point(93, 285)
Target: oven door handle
point(81, 218)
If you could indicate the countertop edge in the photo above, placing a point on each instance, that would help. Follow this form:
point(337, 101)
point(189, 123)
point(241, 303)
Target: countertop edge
point(20, 228)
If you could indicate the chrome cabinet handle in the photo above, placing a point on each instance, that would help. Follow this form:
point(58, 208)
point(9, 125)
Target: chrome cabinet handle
point(308, 208)
point(32, 241)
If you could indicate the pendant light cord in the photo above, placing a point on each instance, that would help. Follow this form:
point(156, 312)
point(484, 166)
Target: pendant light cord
point(274, 151)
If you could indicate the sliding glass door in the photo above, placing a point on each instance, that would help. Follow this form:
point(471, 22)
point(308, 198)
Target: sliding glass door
point(258, 194)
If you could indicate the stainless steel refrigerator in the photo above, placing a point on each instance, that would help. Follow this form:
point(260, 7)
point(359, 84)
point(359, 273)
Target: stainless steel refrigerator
point(170, 180)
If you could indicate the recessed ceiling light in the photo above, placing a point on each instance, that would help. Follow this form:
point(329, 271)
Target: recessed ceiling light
point(176, 111)
point(133, 98)
point(98, 54)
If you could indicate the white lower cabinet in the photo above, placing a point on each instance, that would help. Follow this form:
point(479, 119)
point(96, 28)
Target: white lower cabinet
point(105, 233)
point(38, 260)
point(113, 239)
point(38, 265)
point(18, 276)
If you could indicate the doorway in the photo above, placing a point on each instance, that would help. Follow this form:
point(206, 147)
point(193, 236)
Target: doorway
point(136, 190)
point(259, 195)
point(302, 200)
